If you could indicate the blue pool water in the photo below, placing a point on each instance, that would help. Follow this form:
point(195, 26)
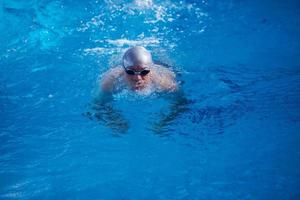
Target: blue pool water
point(235, 137)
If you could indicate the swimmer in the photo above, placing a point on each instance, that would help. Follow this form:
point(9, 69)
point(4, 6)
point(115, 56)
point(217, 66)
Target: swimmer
point(138, 73)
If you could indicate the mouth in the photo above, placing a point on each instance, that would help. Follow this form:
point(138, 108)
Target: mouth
point(138, 83)
point(138, 86)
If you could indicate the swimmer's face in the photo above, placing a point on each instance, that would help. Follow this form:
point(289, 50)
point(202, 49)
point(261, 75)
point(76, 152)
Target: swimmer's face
point(139, 79)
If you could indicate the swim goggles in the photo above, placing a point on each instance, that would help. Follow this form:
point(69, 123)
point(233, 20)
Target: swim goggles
point(143, 72)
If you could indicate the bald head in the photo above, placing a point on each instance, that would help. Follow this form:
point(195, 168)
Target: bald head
point(137, 56)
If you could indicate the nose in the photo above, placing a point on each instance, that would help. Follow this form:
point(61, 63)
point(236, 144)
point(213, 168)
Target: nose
point(137, 77)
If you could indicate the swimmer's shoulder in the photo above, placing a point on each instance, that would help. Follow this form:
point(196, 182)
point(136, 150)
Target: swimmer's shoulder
point(165, 78)
point(109, 78)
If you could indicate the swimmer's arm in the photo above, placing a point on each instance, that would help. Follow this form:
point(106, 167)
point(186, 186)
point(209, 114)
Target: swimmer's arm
point(107, 115)
point(167, 81)
point(105, 111)
point(170, 84)
point(108, 81)
point(107, 86)
point(178, 105)
point(103, 97)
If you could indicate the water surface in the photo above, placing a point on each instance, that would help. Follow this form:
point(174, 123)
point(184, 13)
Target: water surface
point(236, 137)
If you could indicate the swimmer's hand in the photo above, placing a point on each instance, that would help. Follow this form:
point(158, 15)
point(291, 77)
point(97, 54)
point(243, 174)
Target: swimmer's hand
point(178, 105)
point(105, 114)
point(112, 119)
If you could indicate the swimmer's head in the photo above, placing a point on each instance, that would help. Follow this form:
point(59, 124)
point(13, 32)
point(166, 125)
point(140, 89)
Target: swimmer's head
point(137, 56)
point(137, 62)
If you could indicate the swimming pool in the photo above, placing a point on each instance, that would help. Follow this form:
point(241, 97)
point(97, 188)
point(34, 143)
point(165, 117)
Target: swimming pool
point(237, 137)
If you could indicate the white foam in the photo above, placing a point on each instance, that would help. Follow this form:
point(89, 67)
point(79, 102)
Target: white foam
point(144, 41)
point(143, 3)
point(129, 95)
point(96, 50)
point(99, 51)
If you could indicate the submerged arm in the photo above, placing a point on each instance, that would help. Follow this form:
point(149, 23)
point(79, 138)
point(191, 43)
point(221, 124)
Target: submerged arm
point(105, 113)
point(102, 105)
point(178, 105)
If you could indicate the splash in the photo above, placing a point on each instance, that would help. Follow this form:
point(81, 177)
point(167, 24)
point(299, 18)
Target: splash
point(130, 95)
point(145, 41)
point(96, 50)
point(143, 3)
